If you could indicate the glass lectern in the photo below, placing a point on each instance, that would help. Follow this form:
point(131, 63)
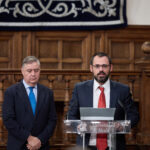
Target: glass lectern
point(110, 127)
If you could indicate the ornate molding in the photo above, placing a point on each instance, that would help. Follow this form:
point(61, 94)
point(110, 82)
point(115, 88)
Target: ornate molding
point(55, 8)
point(70, 12)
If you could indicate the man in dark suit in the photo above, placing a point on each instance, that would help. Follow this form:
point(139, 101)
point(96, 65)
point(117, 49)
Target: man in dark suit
point(29, 115)
point(117, 95)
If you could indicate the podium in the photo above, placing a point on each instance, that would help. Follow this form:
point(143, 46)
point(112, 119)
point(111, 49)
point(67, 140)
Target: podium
point(110, 127)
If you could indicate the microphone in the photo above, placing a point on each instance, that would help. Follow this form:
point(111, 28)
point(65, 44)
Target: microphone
point(126, 126)
point(123, 107)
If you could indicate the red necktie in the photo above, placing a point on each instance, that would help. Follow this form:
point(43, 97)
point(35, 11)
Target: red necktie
point(101, 141)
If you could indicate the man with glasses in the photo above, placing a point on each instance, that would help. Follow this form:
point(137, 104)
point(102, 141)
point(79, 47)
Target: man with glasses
point(116, 95)
point(29, 110)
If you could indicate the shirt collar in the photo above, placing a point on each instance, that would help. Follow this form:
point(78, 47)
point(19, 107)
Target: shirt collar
point(27, 86)
point(106, 85)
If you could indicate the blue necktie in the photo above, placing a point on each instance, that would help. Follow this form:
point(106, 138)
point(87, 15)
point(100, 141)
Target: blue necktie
point(32, 99)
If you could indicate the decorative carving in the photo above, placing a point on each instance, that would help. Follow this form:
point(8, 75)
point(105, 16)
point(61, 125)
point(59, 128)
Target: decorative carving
point(145, 61)
point(61, 8)
point(51, 79)
point(67, 76)
point(146, 49)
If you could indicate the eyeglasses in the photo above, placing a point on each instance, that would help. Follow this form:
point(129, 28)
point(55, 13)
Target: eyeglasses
point(104, 66)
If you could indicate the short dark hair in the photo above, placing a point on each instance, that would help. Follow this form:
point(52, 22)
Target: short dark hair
point(100, 54)
point(30, 59)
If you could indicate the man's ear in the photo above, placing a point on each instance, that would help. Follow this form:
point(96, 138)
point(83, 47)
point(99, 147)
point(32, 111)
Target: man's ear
point(91, 68)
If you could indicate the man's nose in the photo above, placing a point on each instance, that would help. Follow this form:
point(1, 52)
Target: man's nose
point(33, 72)
point(100, 68)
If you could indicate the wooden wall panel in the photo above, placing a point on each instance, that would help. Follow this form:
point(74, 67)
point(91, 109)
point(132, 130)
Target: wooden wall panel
point(14, 46)
point(6, 49)
point(61, 50)
point(120, 54)
point(23, 47)
point(47, 51)
point(98, 41)
point(72, 55)
point(124, 46)
point(73, 49)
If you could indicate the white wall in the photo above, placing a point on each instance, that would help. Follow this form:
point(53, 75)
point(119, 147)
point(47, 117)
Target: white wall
point(138, 12)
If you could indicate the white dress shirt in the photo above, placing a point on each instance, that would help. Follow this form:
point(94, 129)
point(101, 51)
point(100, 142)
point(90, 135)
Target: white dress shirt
point(96, 94)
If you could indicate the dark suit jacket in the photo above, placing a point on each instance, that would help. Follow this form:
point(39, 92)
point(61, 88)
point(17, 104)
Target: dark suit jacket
point(83, 97)
point(19, 120)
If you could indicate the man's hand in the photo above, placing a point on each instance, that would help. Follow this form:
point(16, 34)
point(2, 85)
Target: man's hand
point(81, 128)
point(118, 127)
point(33, 143)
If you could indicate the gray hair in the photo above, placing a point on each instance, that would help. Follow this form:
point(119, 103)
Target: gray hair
point(29, 60)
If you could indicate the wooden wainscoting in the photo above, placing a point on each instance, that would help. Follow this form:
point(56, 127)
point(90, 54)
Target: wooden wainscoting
point(73, 49)
point(62, 83)
point(65, 57)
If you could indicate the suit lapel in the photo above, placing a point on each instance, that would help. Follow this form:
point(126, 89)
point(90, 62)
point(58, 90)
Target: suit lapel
point(40, 98)
point(113, 94)
point(89, 93)
point(21, 91)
